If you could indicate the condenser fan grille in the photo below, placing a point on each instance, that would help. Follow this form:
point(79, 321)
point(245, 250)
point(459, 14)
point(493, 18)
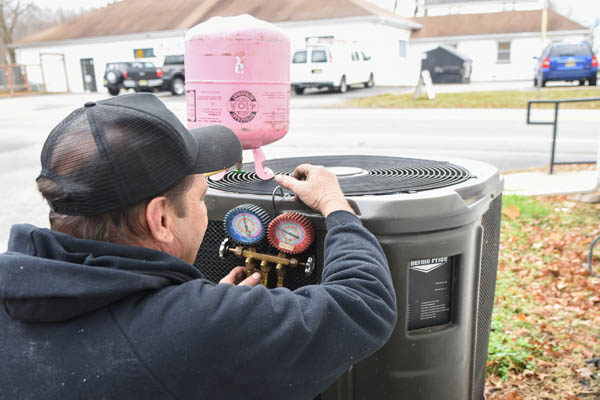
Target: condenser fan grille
point(358, 175)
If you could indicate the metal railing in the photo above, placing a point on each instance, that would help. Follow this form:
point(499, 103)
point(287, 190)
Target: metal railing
point(591, 256)
point(555, 124)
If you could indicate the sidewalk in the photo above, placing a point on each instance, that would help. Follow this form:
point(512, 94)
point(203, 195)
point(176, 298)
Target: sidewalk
point(542, 183)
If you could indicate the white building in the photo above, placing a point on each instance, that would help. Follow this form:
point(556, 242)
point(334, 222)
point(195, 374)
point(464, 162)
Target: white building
point(147, 29)
point(501, 44)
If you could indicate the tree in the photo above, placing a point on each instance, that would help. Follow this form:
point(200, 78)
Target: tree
point(10, 13)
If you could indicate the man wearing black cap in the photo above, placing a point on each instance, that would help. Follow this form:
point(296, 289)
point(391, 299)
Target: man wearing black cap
point(107, 304)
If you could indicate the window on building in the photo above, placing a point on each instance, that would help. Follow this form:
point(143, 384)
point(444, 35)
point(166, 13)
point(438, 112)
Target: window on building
point(143, 53)
point(503, 53)
point(402, 48)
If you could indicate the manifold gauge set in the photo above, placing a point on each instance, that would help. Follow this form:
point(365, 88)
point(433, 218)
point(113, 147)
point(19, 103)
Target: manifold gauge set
point(289, 235)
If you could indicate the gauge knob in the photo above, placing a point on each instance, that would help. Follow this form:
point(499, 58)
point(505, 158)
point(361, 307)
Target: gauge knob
point(291, 233)
point(246, 224)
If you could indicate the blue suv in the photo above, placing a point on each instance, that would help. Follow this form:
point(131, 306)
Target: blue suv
point(567, 62)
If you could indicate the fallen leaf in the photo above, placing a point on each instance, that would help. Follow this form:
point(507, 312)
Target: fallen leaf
point(512, 211)
point(585, 372)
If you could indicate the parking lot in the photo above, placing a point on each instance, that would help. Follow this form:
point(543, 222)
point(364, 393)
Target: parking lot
point(318, 126)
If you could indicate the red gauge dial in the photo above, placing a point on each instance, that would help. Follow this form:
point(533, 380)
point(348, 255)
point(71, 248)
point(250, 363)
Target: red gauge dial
point(291, 233)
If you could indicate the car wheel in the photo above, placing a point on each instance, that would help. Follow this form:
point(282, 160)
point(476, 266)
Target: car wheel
point(543, 83)
point(581, 82)
point(592, 81)
point(370, 82)
point(177, 87)
point(535, 82)
point(114, 91)
point(299, 90)
point(343, 88)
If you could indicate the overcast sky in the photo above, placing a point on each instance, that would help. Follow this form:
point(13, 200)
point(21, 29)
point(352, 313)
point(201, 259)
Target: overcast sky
point(582, 11)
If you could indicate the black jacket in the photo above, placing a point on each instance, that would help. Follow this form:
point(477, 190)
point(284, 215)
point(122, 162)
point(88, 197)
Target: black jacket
point(92, 320)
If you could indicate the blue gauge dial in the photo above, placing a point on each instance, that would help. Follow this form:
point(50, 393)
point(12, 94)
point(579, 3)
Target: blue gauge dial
point(246, 224)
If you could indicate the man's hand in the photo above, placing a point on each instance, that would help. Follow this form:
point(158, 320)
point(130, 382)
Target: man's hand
point(238, 276)
point(316, 187)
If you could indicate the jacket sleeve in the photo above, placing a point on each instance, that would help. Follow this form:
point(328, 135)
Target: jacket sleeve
point(217, 340)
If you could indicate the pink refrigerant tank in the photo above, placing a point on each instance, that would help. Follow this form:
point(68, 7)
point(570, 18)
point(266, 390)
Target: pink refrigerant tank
point(237, 74)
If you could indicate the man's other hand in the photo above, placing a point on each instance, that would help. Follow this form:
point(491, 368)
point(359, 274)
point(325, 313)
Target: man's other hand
point(316, 187)
point(238, 276)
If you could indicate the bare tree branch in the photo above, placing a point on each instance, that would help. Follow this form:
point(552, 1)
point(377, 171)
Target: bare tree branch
point(10, 12)
point(20, 18)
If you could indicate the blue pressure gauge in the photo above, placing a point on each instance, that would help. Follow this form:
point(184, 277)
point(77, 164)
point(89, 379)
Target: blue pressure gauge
point(246, 224)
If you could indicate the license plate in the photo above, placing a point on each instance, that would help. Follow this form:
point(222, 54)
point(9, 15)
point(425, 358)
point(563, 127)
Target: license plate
point(317, 71)
point(143, 82)
point(570, 64)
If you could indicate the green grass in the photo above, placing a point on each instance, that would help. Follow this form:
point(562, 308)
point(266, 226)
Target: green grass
point(529, 208)
point(506, 354)
point(507, 351)
point(484, 99)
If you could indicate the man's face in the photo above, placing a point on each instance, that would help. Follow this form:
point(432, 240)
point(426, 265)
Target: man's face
point(191, 228)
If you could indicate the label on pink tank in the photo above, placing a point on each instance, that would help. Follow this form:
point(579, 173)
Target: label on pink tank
point(257, 113)
point(205, 107)
point(190, 99)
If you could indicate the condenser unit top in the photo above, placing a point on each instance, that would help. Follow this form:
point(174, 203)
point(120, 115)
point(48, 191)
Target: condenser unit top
point(390, 194)
point(358, 175)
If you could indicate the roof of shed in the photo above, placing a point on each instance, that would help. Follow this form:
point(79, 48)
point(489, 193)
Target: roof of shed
point(491, 23)
point(138, 16)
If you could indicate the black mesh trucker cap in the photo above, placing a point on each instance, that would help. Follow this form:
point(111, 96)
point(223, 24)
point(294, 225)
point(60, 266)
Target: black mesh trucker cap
point(118, 152)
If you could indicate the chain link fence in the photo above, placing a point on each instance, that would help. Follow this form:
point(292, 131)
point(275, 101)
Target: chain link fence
point(49, 75)
point(13, 79)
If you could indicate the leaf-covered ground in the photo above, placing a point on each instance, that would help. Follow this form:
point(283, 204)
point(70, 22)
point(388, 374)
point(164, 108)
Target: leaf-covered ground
point(546, 321)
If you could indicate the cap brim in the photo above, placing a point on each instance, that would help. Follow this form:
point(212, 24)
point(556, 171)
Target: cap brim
point(218, 148)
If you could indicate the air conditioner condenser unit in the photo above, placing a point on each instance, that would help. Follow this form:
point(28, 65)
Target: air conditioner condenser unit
point(438, 223)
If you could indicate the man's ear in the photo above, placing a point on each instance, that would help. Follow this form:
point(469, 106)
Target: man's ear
point(158, 219)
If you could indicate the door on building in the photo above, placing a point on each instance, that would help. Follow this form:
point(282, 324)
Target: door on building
point(88, 74)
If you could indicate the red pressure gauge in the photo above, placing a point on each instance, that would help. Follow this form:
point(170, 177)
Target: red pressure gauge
point(291, 233)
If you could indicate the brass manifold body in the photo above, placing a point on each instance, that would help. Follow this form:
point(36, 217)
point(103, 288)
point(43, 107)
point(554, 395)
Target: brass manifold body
point(281, 261)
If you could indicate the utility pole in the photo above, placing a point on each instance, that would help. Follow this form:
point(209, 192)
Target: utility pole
point(544, 23)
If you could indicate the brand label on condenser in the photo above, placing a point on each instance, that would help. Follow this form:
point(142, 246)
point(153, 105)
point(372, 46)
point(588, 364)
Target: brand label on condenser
point(429, 292)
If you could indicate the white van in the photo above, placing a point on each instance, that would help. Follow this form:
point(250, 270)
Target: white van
point(330, 66)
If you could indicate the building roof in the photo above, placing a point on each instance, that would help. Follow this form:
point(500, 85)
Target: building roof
point(491, 23)
point(450, 2)
point(138, 16)
point(453, 51)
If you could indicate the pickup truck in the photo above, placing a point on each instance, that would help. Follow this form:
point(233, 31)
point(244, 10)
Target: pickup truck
point(174, 74)
point(143, 76)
